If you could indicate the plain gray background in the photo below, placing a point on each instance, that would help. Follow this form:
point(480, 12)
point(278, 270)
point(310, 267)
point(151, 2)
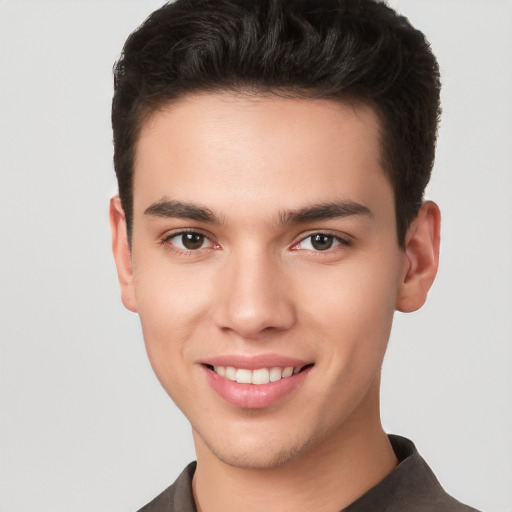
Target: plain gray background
point(85, 426)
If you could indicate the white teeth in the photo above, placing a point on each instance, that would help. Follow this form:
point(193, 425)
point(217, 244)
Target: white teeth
point(220, 370)
point(258, 377)
point(243, 376)
point(275, 374)
point(288, 371)
point(230, 373)
point(261, 376)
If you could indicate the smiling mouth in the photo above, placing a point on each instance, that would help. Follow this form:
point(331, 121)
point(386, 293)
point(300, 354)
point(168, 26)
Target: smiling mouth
point(258, 376)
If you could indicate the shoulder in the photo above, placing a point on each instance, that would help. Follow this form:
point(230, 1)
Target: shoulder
point(410, 487)
point(177, 497)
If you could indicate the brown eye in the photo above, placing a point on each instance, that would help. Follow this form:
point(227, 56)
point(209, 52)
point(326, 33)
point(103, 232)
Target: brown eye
point(192, 241)
point(189, 241)
point(321, 242)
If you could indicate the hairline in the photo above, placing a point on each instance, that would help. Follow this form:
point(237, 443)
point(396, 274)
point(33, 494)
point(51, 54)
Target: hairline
point(257, 92)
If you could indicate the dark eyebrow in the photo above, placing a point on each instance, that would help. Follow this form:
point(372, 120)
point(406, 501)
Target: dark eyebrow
point(178, 209)
point(323, 211)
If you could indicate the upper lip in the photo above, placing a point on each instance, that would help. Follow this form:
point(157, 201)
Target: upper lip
point(254, 362)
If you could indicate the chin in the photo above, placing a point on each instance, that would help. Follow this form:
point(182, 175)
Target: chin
point(256, 454)
point(258, 460)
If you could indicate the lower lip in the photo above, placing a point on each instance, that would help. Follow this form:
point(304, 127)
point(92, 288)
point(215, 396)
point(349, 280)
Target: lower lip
point(254, 396)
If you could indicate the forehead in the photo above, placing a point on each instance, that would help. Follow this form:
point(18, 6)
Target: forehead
point(238, 150)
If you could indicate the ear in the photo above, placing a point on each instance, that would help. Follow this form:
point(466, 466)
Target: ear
point(421, 258)
point(122, 253)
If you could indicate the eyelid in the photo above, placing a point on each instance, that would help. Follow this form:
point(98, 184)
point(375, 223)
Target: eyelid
point(344, 240)
point(166, 237)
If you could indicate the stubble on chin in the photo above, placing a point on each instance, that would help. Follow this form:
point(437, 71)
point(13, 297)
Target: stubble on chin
point(249, 459)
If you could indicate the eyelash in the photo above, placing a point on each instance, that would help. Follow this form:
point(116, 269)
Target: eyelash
point(168, 245)
point(341, 242)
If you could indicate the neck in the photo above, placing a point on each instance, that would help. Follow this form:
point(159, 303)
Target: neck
point(326, 478)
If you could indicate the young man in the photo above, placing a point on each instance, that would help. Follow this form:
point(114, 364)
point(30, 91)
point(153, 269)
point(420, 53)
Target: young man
point(271, 157)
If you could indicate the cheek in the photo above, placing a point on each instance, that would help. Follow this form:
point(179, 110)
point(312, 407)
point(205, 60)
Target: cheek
point(173, 304)
point(350, 318)
point(353, 305)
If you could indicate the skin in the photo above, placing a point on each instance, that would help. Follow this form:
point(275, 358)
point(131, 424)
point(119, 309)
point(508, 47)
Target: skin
point(257, 285)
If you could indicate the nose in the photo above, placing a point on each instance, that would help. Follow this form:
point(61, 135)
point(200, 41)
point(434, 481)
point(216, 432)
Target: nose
point(254, 296)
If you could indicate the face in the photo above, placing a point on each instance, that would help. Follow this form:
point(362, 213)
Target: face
point(265, 269)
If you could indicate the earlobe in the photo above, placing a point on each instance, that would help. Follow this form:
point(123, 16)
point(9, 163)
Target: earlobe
point(421, 258)
point(122, 253)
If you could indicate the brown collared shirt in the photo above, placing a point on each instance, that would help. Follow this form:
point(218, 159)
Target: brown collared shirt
point(410, 487)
